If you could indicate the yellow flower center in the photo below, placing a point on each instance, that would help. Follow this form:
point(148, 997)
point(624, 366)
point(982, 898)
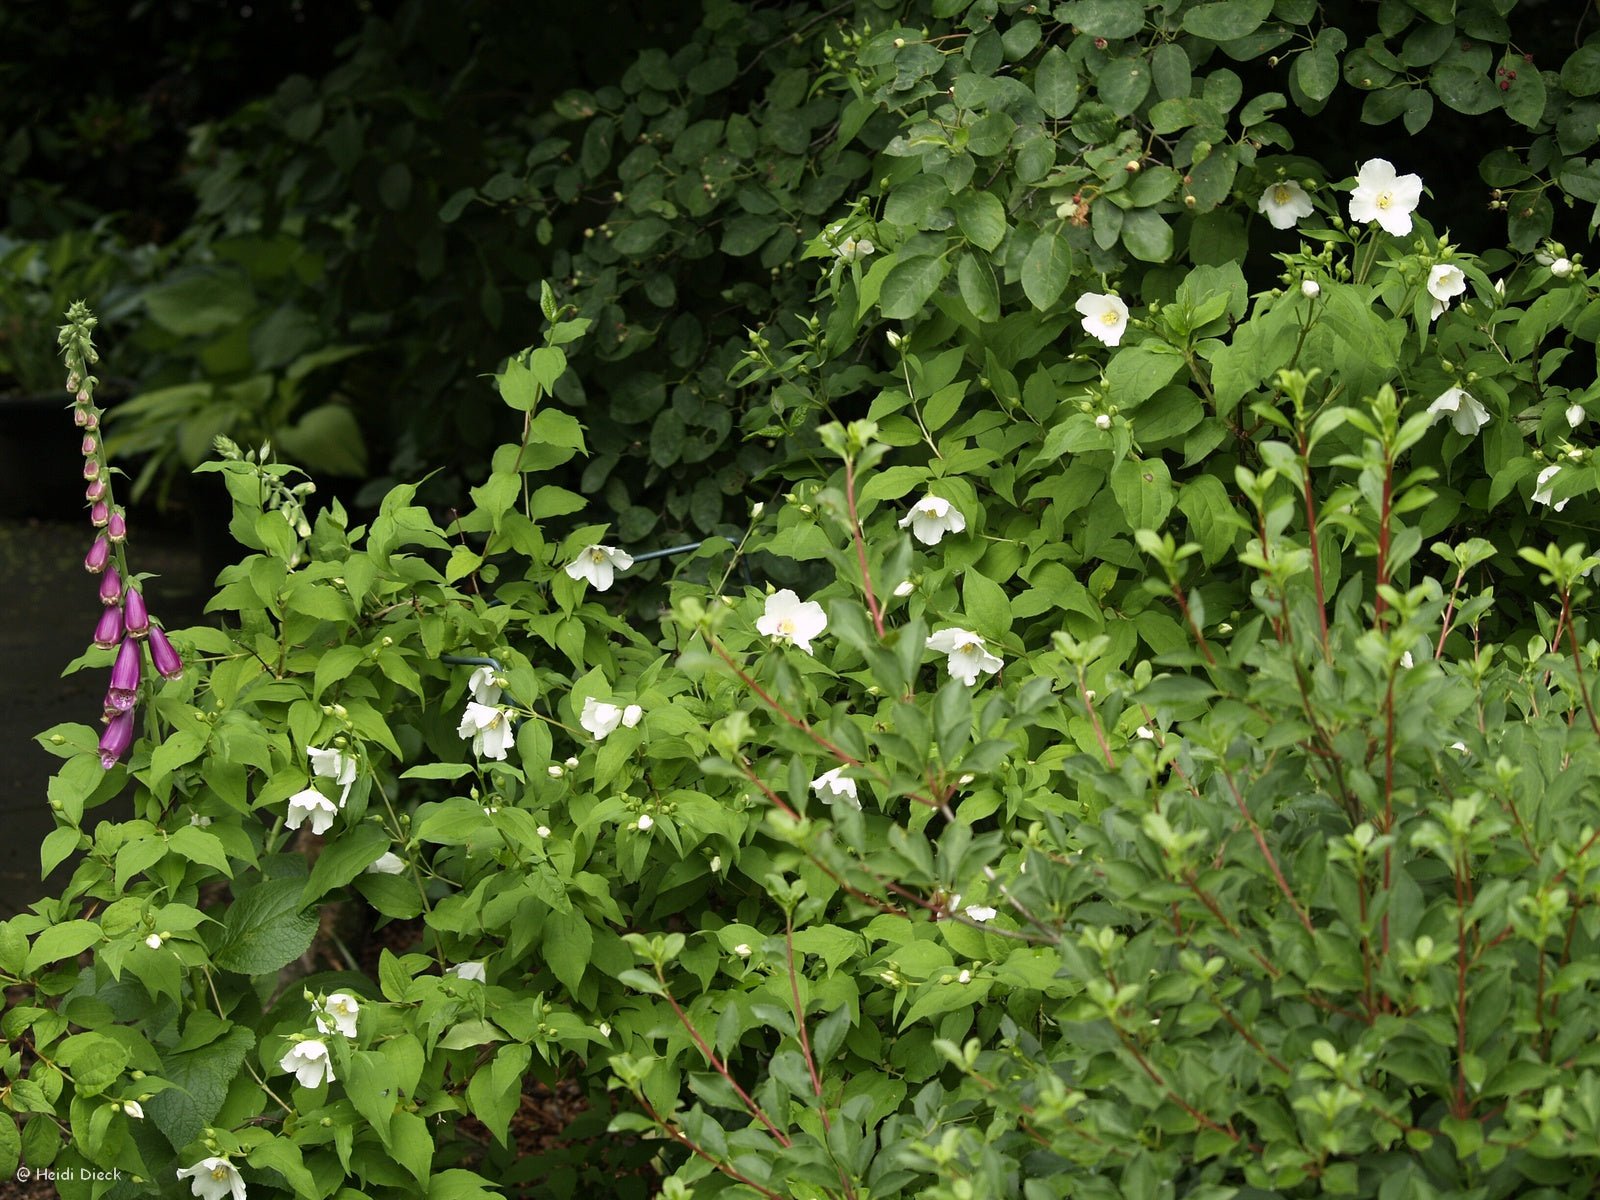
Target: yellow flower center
point(786, 626)
point(1281, 194)
point(597, 556)
point(1385, 199)
point(1110, 317)
point(969, 648)
point(219, 1172)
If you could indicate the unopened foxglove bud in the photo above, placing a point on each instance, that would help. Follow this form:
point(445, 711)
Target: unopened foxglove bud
point(91, 468)
point(116, 739)
point(125, 673)
point(108, 630)
point(110, 587)
point(117, 527)
point(162, 654)
point(99, 555)
point(135, 614)
point(101, 512)
point(95, 490)
point(90, 445)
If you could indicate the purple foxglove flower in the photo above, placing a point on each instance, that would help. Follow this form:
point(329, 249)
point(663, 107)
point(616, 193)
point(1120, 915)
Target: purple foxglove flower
point(101, 512)
point(95, 491)
point(91, 468)
point(110, 587)
point(117, 527)
point(125, 672)
point(116, 739)
point(163, 655)
point(136, 614)
point(108, 631)
point(90, 444)
point(99, 555)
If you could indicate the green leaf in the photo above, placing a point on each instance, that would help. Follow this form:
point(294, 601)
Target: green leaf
point(981, 217)
point(200, 1078)
point(1103, 18)
point(1143, 491)
point(979, 291)
point(200, 302)
point(265, 929)
point(568, 940)
point(1055, 83)
point(373, 1086)
point(1205, 502)
point(326, 439)
point(639, 237)
point(986, 605)
point(1227, 20)
point(909, 285)
point(495, 1092)
point(67, 940)
point(1317, 70)
point(1046, 270)
point(1147, 235)
point(343, 858)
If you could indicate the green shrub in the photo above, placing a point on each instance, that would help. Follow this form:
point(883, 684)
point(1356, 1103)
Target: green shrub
point(1206, 812)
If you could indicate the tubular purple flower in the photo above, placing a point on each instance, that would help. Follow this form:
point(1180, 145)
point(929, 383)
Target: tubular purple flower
point(110, 587)
point(116, 739)
point(117, 527)
point(135, 613)
point(125, 672)
point(108, 630)
point(99, 555)
point(163, 655)
point(101, 512)
point(95, 490)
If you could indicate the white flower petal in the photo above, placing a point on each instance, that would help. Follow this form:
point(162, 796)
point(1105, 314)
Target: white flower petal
point(1284, 203)
point(1105, 317)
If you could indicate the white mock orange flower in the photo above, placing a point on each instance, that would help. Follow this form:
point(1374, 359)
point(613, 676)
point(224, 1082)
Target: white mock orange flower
point(308, 1062)
point(1382, 196)
point(1284, 203)
point(931, 518)
point(833, 785)
point(312, 804)
point(1105, 317)
point(787, 619)
point(967, 656)
point(599, 564)
point(214, 1178)
point(1466, 414)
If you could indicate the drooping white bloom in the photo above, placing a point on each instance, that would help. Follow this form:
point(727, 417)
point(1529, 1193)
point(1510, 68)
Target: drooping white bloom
point(855, 249)
point(787, 619)
point(489, 728)
point(468, 970)
point(1382, 196)
point(1541, 489)
point(833, 785)
point(1310, 289)
point(312, 804)
point(1561, 268)
point(742, 949)
point(387, 863)
point(308, 1062)
point(1575, 415)
point(1446, 282)
point(134, 1109)
point(599, 564)
point(336, 765)
point(339, 1012)
point(1105, 317)
point(980, 913)
point(646, 822)
point(1466, 414)
point(599, 718)
point(931, 518)
point(213, 1178)
point(967, 655)
point(485, 686)
point(153, 941)
point(1284, 203)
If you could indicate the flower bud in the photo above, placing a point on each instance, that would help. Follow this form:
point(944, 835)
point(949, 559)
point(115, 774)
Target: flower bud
point(1102, 422)
point(108, 630)
point(1575, 415)
point(117, 527)
point(90, 445)
point(84, 418)
point(1310, 289)
point(95, 490)
point(135, 614)
point(101, 512)
point(110, 587)
point(99, 555)
point(91, 468)
point(1561, 268)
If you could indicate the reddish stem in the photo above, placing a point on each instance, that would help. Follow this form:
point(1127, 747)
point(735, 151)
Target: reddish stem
point(1380, 606)
point(1316, 550)
point(1272, 862)
point(861, 546)
point(677, 1135)
point(1577, 660)
point(719, 1066)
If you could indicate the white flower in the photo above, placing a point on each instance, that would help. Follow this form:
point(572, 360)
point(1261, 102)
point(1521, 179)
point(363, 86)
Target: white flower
point(1500, 287)
point(1284, 202)
point(894, 339)
point(716, 863)
point(387, 863)
point(931, 518)
point(199, 821)
point(646, 821)
point(1310, 289)
point(599, 718)
point(335, 765)
point(489, 728)
point(554, 771)
point(313, 804)
point(1407, 661)
point(854, 249)
point(308, 1062)
point(787, 619)
point(213, 1178)
point(1103, 422)
point(598, 564)
point(980, 913)
point(1446, 282)
point(340, 1009)
point(134, 1109)
point(1461, 746)
point(1436, 309)
point(485, 687)
point(1575, 415)
point(1541, 489)
point(833, 785)
point(965, 976)
point(543, 831)
point(742, 949)
point(1561, 268)
point(1145, 732)
point(572, 759)
point(153, 941)
point(1467, 415)
point(631, 716)
point(1382, 196)
point(967, 655)
point(469, 970)
point(904, 589)
point(1105, 317)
